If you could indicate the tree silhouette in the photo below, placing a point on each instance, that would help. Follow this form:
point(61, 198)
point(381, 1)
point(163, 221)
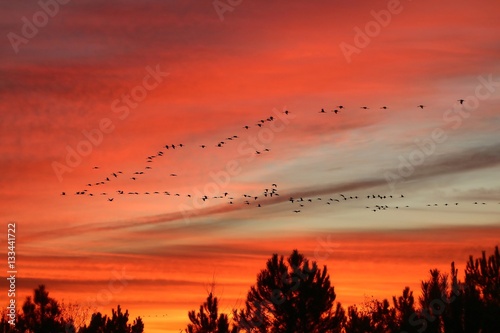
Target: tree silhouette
point(42, 314)
point(137, 326)
point(405, 311)
point(383, 317)
point(291, 297)
point(482, 277)
point(433, 301)
point(97, 324)
point(357, 321)
point(75, 314)
point(207, 320)
point(117, 323)
point(454, 316)
point(374, 317)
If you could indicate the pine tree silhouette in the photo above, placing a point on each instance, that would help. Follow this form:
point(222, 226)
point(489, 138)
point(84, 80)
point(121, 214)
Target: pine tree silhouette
point(291, 297)
point(41, 314)
point(208, 320)
point(482, 277)
point(117, 323)
point(405, 311)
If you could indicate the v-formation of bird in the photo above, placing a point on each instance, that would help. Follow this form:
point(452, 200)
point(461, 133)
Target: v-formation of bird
point(231, 199)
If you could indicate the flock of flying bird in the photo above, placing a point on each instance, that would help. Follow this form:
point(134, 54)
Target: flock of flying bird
point(257, 200)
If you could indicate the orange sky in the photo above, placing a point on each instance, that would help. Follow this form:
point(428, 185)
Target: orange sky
point(72, 77)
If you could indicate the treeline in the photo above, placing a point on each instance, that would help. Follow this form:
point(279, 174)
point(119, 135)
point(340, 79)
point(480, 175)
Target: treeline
point(43, 314)
point(294, 295)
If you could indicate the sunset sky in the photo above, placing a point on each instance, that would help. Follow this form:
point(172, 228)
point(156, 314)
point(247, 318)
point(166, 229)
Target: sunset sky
point(96, 88)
